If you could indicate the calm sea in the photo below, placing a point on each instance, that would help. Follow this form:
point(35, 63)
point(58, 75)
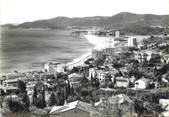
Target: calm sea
point(24, 50)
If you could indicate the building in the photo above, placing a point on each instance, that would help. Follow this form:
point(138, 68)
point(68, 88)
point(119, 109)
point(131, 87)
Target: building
point(121, 82)
point(60, 67)
point(166, 58)
point(101, 75)
point(132, 42)
point(75, 79)
point(165, 103)
point(54, 67)
point(48, 67)
point(73, 109)
point(97, 54)
point(92, 73)
point(122, 101)
point(142, 83)
point(117, 34)
point(10, 82)
point(47, 76)
point(108, 51)
point(140, 56)
point(16, 76)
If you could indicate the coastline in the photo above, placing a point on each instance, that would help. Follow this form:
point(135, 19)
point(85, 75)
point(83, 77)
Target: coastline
point(79, 60)
point(98, 42)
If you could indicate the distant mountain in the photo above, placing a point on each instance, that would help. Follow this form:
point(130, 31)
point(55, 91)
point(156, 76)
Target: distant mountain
point(119, 20)
point(9, 26)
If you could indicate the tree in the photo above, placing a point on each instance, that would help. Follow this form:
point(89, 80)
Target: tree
point(52, 100)
point(21, 86)
point(43, 102)
point(99, 62)
point(35, 96)
point(25, 102)
point(155, 59)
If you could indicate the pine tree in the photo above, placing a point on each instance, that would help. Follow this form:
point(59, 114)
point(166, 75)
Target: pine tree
point(43, 103)
point(35, 96)
point(52, 99)
point(21, 86)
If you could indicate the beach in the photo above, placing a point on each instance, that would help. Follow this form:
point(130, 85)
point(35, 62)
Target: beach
point(28, 50)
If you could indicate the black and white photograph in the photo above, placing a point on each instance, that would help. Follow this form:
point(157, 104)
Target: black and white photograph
point(84, 58)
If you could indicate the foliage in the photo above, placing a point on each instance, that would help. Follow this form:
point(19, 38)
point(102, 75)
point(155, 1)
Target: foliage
point(21, 85)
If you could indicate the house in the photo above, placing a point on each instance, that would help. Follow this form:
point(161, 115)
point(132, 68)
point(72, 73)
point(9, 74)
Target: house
point(59, 67)
point(10, 82)
point(108, 51)
point(166, 58)
point(47, 67)
point(101, 75)
point(75, 79)
point(2, 79)
point(10, 89)
point(121, 82)
point(48, 76)
point(165, 103)
point(16, 75)
point(123, 101)
point(97, 54)
point(54, 67)
point(132, 42)
point(92, 73)
point(72, 109)
point(140, 56)
point(142, 83)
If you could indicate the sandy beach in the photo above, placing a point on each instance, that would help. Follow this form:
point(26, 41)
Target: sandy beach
point(99, 43)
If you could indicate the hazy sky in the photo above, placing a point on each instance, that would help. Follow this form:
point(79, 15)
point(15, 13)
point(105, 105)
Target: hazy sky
point(18, 11)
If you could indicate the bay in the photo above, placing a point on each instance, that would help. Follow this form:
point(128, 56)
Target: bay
point(28, 49)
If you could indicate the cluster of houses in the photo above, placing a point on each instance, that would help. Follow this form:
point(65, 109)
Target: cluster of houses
point(9, 83)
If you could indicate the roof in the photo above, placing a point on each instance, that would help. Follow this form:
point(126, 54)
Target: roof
point(107, 89)
point(8, 88)
point(121, 98)
point(72, 105)
point(15, 75)
point(121, 79)
point(11, 80)
point(143, 79)
point(74, 75)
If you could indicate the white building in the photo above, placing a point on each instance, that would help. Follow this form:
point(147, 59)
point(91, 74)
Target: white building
point(60, 68)
point(121, 82)
point(74, 79)
point(72, 109)
point(101, 75)
point(54, 67)
point(117, 34)
point(142, 83)
point(165, 103)
point(48, 67)
point(10, 82)
point(141, 56)
point(92, 73)
point(132, 42)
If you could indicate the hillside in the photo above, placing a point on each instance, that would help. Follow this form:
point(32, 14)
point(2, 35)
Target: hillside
point(120, 20)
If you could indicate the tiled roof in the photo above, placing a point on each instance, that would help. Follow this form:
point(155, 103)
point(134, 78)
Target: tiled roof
point(69, 106)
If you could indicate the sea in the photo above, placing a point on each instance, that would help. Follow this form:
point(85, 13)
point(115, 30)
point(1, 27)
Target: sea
point(29, 49)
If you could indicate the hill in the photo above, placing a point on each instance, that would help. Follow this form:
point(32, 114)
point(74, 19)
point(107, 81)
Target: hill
point(119, 20)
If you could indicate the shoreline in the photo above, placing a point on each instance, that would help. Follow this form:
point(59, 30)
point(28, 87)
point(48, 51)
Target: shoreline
point(74, 62)
point(97, 42)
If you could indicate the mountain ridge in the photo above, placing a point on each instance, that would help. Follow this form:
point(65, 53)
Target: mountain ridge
point(120, 20)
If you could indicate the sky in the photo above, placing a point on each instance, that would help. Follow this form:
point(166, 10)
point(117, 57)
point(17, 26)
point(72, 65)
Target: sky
point(19, 11)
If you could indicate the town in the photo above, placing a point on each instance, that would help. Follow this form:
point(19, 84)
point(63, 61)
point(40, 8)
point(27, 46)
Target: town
point(125, 77)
